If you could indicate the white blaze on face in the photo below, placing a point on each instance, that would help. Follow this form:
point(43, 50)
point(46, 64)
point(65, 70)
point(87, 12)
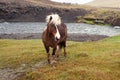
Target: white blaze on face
point(56, 20)
point(57, 35)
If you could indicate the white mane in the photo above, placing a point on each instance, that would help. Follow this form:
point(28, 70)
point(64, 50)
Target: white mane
point(55, 19)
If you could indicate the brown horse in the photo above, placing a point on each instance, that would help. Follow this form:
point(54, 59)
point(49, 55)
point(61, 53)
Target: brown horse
point(54, 36)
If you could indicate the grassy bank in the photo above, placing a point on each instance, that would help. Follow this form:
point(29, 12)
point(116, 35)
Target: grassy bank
point(101, 16)
point(98, 60)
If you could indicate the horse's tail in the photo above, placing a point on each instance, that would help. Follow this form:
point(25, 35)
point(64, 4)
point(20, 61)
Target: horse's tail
point(53, 18)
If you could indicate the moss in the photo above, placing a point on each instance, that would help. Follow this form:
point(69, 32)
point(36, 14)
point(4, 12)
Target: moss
point(89, 21)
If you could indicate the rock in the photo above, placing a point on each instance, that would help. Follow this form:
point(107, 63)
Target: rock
point(116, 22)
point(117, 27)
point(113, 21)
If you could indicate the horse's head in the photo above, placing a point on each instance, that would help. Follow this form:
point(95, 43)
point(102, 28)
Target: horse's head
point(54, 21)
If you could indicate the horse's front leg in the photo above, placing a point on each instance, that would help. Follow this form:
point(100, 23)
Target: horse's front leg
point(54, 53)
point(48, 54)
point(57, 51)
point(54, 57)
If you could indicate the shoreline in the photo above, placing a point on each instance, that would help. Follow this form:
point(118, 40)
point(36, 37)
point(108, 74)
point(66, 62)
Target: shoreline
point(71, 36)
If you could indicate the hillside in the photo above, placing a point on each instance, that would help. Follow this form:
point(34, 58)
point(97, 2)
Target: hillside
point(44, 3)
point(105, 3)
point(36, 10)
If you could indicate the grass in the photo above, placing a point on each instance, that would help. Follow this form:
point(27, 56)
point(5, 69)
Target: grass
point(17, 52)
point(98, 60)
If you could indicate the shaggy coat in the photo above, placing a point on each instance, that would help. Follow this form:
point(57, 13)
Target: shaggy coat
point(54, 36)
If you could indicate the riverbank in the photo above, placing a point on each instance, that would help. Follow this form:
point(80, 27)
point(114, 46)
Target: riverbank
point(71, 36)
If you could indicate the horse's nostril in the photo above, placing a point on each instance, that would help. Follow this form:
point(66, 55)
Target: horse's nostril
point(57, 39)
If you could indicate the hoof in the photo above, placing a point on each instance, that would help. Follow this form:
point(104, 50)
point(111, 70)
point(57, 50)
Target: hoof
point(57, 56)
point(48, 61)
point(53, 63)
point(65, 54)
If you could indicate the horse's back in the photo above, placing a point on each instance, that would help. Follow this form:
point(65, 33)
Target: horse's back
point(63, 30)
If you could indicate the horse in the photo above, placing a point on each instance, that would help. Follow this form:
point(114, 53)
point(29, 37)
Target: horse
point(54, 36)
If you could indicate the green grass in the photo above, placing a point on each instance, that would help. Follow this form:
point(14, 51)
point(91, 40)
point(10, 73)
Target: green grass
point(99, 60)
point(13, 53)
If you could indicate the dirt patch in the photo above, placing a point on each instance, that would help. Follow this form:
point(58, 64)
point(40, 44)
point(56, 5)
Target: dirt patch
point(13, 74)
point(10, 74)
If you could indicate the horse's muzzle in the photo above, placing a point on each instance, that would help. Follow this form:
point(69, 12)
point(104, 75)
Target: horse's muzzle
point(56, 39)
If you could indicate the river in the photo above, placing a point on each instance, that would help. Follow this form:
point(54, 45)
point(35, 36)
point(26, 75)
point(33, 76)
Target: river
point(38, 27)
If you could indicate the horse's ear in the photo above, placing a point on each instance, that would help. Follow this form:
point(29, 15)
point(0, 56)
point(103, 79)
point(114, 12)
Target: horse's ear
point(50, 18)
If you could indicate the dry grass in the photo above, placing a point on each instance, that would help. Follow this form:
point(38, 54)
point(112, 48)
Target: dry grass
point(85, 61)
point(46, 3)
point(105, 3)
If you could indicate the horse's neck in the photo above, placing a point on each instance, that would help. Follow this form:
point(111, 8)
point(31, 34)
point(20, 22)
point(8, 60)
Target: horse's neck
point(47, 33)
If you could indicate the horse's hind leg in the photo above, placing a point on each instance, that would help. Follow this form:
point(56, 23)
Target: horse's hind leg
point(48, 54)
point(64, 47)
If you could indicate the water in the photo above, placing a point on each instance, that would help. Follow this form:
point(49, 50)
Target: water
point(38, 27)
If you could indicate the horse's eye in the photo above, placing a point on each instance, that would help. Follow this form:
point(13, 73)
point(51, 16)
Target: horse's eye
point(54, 27)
